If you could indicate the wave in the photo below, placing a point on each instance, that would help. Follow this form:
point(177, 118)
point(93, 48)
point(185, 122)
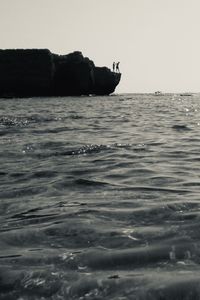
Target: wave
point(49, 284)
point(21, 192)
point(26, 120)
point(139, 256)
point(23, 121)
point(83, 150)
point(181, 128)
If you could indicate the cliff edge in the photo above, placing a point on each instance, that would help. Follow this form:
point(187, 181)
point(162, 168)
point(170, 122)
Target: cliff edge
point(38, 72)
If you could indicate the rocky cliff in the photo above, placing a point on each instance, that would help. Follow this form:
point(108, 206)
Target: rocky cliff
point(38, 72)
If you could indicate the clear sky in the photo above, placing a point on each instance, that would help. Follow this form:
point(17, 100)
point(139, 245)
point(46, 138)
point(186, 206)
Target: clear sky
point(156, 41)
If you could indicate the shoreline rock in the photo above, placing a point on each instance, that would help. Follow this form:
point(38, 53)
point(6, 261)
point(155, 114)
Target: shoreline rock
point(38, 72)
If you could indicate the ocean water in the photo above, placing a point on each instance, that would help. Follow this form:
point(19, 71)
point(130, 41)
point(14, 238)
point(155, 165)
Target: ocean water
point(100, 198)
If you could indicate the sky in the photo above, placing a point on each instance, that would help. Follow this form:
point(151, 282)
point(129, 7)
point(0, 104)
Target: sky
point(156, 41)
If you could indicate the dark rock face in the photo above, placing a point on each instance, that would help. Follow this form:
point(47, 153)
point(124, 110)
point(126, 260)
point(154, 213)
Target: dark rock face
point(25, 72)
point(38, 72)
point(72, 74)
point(105, 81)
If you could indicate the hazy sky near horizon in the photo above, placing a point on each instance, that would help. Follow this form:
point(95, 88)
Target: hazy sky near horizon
point(156, 41)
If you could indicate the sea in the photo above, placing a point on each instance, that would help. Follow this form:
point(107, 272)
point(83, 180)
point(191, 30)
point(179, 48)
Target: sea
point(100, 197)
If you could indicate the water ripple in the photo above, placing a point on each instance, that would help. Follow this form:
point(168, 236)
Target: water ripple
point(100, 198)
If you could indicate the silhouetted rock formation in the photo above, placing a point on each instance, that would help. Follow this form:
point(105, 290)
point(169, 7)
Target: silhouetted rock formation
point(25, 72)
point(105, 81)
point(38, 72)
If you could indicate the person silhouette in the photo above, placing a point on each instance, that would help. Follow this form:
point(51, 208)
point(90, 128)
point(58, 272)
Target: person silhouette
point(117, 66)
point(113, 66)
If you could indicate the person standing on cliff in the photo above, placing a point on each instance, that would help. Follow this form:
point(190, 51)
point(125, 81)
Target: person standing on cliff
point(117, 67)
point(113, 66)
